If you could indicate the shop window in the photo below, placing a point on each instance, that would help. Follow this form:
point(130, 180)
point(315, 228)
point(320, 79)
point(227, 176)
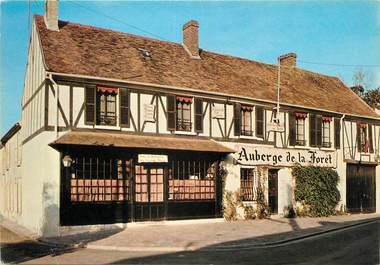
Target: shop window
point(183, 111)
point(300, 128)
point(99, 179)
point(326, 137)
point(246, 184)
point(246, 120)
point(192, 180)
point(106, 106)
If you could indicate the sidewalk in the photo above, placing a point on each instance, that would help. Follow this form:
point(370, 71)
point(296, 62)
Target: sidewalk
point(221, 235)
point(209, 235)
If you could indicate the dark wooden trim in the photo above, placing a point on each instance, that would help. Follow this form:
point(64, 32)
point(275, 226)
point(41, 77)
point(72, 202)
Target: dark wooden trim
point(138, 112)
point(132, 120)
point(220, 127)
point(81, 111)
point(71, 105)
point(230, 128)
point(157, 115)
point(46, 110)
point(225, 121)
point(34, 95)
point(351, 161)
point(163, 106)
point(30, 137)
point(210, 115)
point(60, 107)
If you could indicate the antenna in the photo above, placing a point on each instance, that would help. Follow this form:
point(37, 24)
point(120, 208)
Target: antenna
point(277, 108)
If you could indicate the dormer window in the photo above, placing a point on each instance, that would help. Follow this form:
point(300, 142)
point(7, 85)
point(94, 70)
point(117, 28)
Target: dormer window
point(106, 106)
point(183, 122)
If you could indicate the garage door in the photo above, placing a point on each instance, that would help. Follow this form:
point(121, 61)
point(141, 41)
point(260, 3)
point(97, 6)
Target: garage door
point(361, 183)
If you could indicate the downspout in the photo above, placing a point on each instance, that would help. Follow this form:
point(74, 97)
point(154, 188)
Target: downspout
point(50, 76)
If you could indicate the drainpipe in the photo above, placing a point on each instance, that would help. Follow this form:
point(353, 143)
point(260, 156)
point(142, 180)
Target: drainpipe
point(56, 103)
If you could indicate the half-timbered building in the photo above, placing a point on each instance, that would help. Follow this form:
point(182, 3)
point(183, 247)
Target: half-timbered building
point(120, 128)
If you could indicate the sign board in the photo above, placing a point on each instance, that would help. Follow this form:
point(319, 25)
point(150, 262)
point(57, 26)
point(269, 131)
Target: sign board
point(261, 155)
point(149, 112)
point(218, 112)
point(149, 158)
point(275, 127)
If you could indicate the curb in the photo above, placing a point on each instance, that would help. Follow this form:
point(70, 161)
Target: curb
point(230, 247)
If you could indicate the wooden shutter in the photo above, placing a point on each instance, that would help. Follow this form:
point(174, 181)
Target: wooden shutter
point(318, 130)
point(237, 119)
point(259, 113)
point(370, 144)
point(171, 112)
point(292, 129)
point(313, 130)
point(337, 133)
point(198, 115)
point(124, 107)
point(358, 138)
point(90, 105)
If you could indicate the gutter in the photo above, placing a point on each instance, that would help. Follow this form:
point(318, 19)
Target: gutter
point(185, 89)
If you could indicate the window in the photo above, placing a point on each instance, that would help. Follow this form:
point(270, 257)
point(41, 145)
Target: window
point(326, 139)
point(300, 128)
point(246, 183)
point(246, 120)
point(363, 143)
point(106, 106)
point(183, 114)
point(99, 179)
point(192, 179)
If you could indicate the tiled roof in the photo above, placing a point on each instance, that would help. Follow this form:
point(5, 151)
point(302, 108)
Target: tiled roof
point(91, 51)
point(140, 141)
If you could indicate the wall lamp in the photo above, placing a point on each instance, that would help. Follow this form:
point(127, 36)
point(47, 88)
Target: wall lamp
point(67, 161)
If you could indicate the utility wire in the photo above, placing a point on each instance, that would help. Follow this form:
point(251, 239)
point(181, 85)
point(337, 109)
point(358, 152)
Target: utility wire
point(343, 65)
point(118, 20)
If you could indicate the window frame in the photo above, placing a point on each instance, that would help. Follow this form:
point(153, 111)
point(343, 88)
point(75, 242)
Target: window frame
point(364, 142)
point(247, 185)
point(326, 127)
point(99, 119)
point(243, 125)
point(183, 125)
point(300, 142)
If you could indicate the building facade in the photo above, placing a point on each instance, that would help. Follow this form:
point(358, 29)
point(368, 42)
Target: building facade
point(120, 128)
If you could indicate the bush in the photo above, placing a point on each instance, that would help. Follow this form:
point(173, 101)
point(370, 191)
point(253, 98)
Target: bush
point(289, 212)
point(232, 200)
point(249, 212)
point(262, 208)
point(316, 190)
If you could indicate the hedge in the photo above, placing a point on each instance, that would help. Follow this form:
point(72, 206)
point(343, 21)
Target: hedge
point(316, 189)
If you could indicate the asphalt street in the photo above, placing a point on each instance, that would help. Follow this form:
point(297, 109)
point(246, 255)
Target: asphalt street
point(356, 245)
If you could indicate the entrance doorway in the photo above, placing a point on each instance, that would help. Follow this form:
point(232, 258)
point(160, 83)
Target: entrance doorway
point(149, 192)
point(361, 183)
point(273, 190)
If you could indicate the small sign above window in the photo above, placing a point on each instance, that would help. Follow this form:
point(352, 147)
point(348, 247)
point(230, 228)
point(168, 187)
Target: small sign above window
point(218, 112)
point(149, 113)
point(275, 127)
point(149, 158)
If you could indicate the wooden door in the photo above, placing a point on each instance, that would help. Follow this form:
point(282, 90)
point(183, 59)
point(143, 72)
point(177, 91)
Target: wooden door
point(361, 183)
point(273, 190)
point(149, 193)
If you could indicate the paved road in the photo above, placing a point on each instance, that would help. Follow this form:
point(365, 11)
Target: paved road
point(358, 245)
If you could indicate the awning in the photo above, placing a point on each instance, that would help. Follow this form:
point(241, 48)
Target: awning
point(124, 140)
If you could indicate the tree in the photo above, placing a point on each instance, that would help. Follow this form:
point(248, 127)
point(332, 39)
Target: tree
point(361, 86)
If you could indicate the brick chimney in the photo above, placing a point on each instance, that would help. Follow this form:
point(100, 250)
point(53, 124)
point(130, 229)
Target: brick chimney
point(289, 59)
point(51, 14)
point(190, 38)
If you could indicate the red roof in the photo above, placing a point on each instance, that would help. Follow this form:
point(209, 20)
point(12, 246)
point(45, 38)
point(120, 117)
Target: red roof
point(91, 51)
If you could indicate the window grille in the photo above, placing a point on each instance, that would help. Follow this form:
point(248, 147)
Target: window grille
point(246, 121)
point(300, 131)
point(247, 183)
point(183, 116)
point(106, 108)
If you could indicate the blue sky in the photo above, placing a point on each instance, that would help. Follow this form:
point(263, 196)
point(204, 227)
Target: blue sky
point(328, 32)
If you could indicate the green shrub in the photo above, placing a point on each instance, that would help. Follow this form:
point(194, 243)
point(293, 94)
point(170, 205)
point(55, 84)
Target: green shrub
point(316, 190)
point(262, 208)
point(249, 212)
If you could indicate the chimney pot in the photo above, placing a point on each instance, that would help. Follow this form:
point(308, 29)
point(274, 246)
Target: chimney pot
point(190, 38)
point(51, 15)
point(289, 59)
